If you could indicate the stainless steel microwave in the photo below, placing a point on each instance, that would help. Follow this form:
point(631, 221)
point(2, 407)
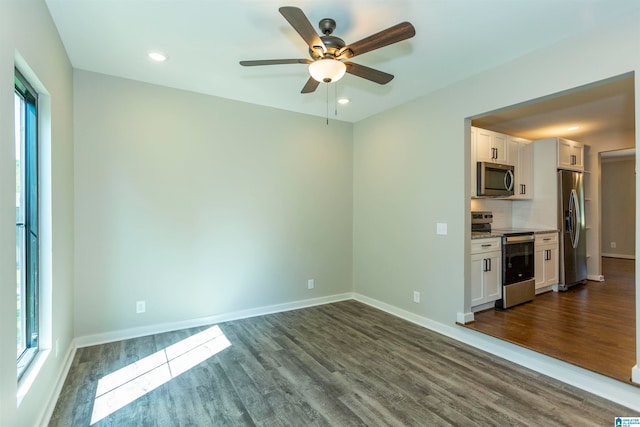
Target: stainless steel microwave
point(495, 180)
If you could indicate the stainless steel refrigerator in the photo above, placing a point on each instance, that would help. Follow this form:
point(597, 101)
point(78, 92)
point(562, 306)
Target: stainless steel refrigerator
point(573, 239)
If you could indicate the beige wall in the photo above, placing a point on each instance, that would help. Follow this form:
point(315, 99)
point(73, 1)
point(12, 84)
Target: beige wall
point(599, 143)
point(29, 39)
point(619, 207)
point(202, 206)
point(180, 195)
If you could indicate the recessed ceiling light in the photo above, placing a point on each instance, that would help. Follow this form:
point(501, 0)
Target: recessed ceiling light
point(573, 128)
point(343, 101)
point(157, 56)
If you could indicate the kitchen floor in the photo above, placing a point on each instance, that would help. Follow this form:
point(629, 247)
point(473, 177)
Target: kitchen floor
point(591, 325)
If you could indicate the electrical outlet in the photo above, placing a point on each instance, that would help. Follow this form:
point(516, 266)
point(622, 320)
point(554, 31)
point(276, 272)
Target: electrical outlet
point(141, 307)
point(416, 296)
point(441, 228)
point(613, 245)
point(311, 284)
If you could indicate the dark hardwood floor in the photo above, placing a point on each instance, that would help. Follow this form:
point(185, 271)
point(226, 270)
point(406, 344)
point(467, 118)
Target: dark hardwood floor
point(591, 325)
point(342, 364)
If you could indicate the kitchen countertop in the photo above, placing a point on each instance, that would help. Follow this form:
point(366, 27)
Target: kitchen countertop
point(499, 232)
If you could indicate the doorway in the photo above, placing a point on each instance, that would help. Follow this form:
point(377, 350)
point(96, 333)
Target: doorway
point(574, 326)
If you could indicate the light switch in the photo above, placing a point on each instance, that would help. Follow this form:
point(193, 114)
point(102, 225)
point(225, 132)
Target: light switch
point(441, 228)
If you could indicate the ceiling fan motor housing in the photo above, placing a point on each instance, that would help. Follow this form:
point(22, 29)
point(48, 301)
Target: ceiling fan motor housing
point(332, 43)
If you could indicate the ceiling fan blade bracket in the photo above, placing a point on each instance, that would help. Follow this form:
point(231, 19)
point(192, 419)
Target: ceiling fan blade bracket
point(344, 53)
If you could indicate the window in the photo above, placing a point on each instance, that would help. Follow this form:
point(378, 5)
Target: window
point(27, 225)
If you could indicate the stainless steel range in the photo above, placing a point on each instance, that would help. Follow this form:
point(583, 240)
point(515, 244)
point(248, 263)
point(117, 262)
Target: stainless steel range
point(518, 268)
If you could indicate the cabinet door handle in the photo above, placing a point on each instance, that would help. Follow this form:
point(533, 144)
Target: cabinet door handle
point(523, 189)
point(489, 260)
point(574, 159)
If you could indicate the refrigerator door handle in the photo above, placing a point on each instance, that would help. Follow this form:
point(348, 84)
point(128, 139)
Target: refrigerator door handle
point(574, 213)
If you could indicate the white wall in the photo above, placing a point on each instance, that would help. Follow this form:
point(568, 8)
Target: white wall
point(202, 206)
point(27, 32)
point(410, 169)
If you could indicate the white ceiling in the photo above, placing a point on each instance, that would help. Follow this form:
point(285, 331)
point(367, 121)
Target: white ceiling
point(606, 106)
point(205, 39)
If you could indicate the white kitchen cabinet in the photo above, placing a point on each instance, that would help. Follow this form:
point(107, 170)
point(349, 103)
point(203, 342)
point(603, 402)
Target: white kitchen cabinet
point(486, 271)
point(546, 260)
point(521, 156)
point(570, 155)
point(491, 147)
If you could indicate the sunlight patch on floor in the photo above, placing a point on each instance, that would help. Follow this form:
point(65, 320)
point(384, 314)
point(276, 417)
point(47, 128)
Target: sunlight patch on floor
point(125, 385)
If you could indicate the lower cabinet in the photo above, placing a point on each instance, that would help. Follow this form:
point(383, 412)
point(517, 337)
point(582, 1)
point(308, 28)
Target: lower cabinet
point(486, 271)
point(546, 260)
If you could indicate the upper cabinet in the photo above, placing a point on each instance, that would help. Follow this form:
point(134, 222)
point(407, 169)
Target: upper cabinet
point(494, 147)
point(570, 155)
point(521, 156)
point(491, 146)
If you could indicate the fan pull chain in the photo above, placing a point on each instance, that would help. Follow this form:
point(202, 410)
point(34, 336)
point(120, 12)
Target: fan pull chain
point(327, 84)
point(335, 99)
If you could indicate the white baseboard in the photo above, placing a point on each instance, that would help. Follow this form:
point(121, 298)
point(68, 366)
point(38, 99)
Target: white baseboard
point(635, 374)
point(623, 256)
point(55, 392)
point(595, 277)
point(482, 307)
point(125, 334)
point(605, 387)
point(464, 318)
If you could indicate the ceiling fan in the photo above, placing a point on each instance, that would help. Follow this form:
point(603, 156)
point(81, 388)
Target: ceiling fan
point(328, 52)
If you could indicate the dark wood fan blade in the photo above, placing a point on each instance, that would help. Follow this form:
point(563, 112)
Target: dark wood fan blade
point(310, 86)
point(376, 76)
point(298, 20)
point(275, 62)
point(386, 37)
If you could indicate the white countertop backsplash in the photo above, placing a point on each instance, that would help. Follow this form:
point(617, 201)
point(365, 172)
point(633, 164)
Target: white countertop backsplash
point(501, 211)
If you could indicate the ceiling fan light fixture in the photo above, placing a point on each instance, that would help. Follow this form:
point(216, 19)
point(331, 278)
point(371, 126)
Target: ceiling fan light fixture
point(327, 70)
